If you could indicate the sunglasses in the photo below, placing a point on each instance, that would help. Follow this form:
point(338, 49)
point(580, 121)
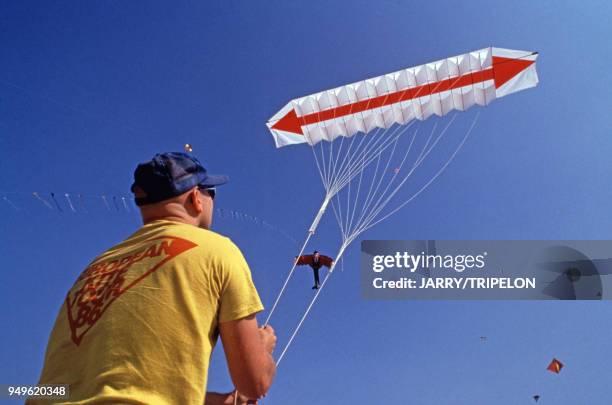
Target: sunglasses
point(210, 191)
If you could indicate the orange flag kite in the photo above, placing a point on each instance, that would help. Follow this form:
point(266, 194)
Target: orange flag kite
point(555, 366)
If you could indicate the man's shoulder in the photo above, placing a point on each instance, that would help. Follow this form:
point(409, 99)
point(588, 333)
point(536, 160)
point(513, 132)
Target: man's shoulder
point(196, 233)
point(212, 242)
point(207, 243)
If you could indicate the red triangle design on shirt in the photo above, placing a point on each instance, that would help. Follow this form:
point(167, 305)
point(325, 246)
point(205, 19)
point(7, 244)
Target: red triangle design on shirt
point(104, 281)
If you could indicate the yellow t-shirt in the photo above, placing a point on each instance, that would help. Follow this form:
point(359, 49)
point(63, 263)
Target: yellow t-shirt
point(140, 322)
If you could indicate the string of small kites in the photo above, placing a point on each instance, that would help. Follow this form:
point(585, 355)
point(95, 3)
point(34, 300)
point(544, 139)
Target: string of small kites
point(67, 202)
point(85, 203)
point(79, 203)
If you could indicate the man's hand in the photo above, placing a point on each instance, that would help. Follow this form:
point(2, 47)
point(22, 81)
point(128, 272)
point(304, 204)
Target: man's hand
point(242, 400)
point(268, 337)
point(214, 398)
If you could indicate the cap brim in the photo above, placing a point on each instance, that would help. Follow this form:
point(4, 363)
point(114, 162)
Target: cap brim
point(213, 180)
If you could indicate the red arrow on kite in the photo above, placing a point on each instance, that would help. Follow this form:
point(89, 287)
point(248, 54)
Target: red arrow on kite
point(503, 71)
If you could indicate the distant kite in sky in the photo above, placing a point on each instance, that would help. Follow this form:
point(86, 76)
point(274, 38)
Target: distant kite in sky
point(555, 366)
point(536, 398)
point(188, 148)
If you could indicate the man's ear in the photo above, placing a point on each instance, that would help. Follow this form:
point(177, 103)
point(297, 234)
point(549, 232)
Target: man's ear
point(195, 200)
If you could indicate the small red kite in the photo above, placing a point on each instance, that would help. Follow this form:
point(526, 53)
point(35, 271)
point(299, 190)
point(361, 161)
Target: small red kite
point(555, 366)
point(315, 261)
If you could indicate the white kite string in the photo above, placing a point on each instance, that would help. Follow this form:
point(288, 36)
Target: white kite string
point(334, 181)
point(349, 235)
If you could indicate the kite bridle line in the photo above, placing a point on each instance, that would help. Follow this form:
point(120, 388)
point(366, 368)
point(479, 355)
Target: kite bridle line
point(335, 180)
point(346, 173)
point(332, 187)
point(350, 234)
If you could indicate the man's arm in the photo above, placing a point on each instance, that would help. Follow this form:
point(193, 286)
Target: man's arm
point(248, 350)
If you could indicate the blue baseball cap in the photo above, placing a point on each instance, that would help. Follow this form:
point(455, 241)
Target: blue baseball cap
point(170, 174)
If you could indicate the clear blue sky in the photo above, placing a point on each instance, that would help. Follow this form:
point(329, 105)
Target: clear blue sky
point(88, 89)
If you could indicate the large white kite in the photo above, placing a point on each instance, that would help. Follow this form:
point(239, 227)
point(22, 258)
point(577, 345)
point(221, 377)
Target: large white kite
point(455, 83)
